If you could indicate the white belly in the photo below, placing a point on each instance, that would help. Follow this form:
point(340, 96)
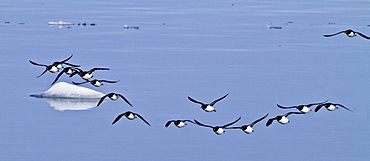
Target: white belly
point(69, 72)
point(131, 116)
point(248, 130)
point(53, 69)
point(59, 66)
point(219, 131)
point(284, 120)
point(209, 108)
point(97, 83)
point(114, 97)
point(352, 34)
point(331, 108)
point(181, 124)
point(305, 109)
point(87, 76)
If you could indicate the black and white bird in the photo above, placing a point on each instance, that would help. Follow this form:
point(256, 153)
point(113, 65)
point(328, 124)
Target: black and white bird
point(302, 108)
point(349, 33)
point(66, 70)
point(331, 107)
point(131, 116)
point(283, 119)
point(54, 67)
point(217, 129)
point(95, 82)
point(86, 74)
point(113, 96)
point(207, 107)
point(248, 128)
point(178, 123)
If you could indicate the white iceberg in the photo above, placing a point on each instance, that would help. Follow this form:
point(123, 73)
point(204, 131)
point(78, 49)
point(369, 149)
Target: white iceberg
point(64, 96)
point(66, 90)
point(60, 23)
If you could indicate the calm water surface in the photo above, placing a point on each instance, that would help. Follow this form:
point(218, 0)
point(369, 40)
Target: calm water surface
point(203, 50)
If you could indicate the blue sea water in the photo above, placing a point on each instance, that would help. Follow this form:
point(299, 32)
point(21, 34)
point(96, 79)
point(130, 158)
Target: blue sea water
point(187, 48)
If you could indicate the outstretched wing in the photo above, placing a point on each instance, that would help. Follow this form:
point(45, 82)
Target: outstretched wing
point(46, 69)
point(37, 63)
point(334, 34)
point(189, 121)
point(269, 122)
point(79, 83)
point(258, 120)
point(72, 65)
point(231, 122)
point(289, 113)
point(343, 107)
point(364, 36)
point(309, 105)
point(197, 122)
point(118, 117)
point(66, 59)
point(318, 107)
point(101, 100)
point(215, 101)
point(125, 99)
point(142, 118)
point(285, 107)
point(108, 81)
point(195, 101)
point(56, 78)
point(93, 69)
point(168, 123)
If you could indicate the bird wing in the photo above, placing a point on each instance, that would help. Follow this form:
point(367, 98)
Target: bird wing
point(189, 121)
point(72, 65)
point(168, 123)
point(56, 78)
point(258, 120)
point(364, 36)
point(318, 107)
point(343, 107)
point(79, 83)
point(66, 59)
point(286, 107)
point(269, 122)
point(289, 113)
point(309, 105)
point(197, 122)
point(125, 99)
point(108, 81)
point(334, 34)
point(118, 117)
point(142, 118)
point(231, 122)
point(215, 101)
point(93, 69)
point(232, 127)
point(37, 63)
point(101, 100)
point(193, 100)
point(43, 73)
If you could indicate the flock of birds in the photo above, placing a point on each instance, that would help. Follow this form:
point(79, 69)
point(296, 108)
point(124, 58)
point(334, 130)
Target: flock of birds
point(73, 70)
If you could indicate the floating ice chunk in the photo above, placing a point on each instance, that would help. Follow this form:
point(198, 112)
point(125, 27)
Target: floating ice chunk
point(66, 90)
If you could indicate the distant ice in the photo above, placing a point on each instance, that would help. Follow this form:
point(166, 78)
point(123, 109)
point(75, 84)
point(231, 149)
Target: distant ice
point(66, 90)
point(62, 104)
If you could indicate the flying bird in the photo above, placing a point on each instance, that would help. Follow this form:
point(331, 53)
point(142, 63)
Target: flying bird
point(331, 107)
point(248, 128)
point(67, 70)
point(54, 67)
point(113, 96)
point(302, 108)
point(349, 33)
point(95, 82)
point(178, 123)
point(86, 74)
point(207, 107)
point(217, 129)
point(283, 119)
point(131, 116)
